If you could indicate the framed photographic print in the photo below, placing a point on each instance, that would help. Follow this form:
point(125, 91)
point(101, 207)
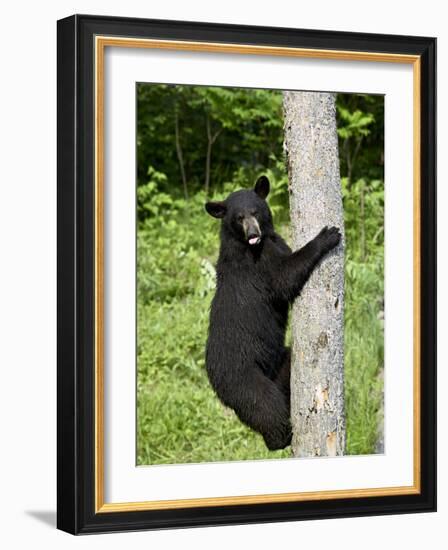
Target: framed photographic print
point(246, 274)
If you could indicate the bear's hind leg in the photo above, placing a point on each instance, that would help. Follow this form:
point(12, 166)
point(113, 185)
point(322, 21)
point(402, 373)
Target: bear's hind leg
point(264, 407)
point(283, 378)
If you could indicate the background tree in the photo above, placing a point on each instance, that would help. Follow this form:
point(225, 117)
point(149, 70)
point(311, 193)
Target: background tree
point(317, 374)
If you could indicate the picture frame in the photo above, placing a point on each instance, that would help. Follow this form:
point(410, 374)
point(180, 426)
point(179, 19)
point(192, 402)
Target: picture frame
point(82, 42)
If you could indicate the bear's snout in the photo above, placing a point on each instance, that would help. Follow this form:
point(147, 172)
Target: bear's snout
point(252, 230)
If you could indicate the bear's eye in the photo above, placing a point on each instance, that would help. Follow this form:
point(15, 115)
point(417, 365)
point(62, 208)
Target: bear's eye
point(240, 217)
point(254, 212)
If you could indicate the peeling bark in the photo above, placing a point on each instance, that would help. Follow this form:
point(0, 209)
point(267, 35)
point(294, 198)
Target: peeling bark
point(317, 368)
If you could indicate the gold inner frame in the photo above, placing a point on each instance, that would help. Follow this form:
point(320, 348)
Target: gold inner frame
point(101, 42)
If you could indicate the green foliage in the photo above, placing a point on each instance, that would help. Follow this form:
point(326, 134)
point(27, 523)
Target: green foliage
point(179, 418)
point(363, 323)
point(355, 124)
point(361, 135)
point(173, 248)
point(244, 128)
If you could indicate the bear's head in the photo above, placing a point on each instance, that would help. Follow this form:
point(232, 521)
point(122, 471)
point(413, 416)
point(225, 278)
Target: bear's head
point(245, 214)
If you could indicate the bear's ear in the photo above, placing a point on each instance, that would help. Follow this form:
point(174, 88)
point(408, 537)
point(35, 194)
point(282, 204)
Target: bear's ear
point(216, 209)
point(262, 187)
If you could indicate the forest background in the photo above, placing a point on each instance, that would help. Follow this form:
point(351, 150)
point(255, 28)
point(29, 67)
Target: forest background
point(196, 143)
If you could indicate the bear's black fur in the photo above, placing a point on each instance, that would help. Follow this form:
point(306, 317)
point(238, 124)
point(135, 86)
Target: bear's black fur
point(258, 277)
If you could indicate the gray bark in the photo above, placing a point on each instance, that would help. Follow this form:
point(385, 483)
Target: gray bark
point(180, 156)
point(317, 368)
point(211, 138)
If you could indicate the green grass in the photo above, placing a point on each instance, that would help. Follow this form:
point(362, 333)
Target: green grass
point(179, 418)
point(363, 356)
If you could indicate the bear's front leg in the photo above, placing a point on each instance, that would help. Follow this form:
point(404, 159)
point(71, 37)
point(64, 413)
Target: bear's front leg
point(294, 270)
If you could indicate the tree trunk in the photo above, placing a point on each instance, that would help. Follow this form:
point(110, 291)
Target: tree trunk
point(180, 156)
point(208, 157)
point(211, 138)
point(317, 367)
point(362, 220)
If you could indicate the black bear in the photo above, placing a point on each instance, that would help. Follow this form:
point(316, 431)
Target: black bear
point(258, 277)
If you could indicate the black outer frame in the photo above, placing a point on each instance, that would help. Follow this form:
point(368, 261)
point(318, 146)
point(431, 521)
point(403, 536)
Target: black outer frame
point(75, 173)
